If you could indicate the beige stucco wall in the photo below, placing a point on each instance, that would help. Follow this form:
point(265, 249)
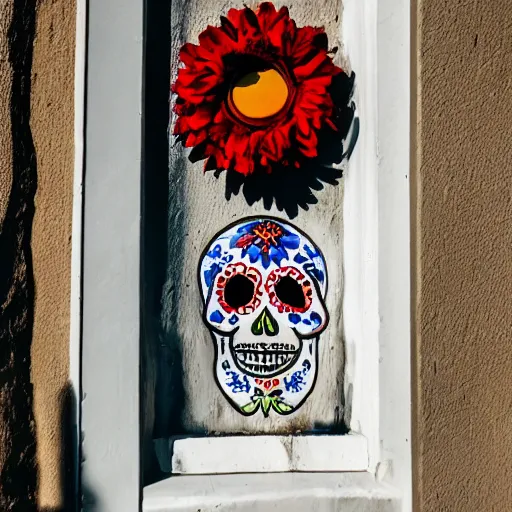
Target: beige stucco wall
point(52, 129)
point(5, 122)
point(51, 126)
point(463, 256)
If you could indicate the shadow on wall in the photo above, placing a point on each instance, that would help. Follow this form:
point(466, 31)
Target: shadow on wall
point(291, 189)
point(18, 461)
point(69, 456)
point(294, 189)
point(18, 466)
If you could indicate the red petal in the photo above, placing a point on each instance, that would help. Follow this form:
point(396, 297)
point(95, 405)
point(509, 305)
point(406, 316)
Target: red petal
point(304, 43)
point(309, 68)
point(318, 83)
point(302, 123)
point(282, 14)
point(246, 21)
point(308, 144)
point(216, 40)
point(229, 28)
point(200, 118)
point(251, 19)
point(281, 30)
point(266, 13)
point(188, 53)
point(191, 53)
point(331, 124)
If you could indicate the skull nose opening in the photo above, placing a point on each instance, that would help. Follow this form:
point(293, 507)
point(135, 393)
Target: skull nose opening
point(265, 323)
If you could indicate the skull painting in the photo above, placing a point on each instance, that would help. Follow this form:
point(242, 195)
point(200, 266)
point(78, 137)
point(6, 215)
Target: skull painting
point(263, 284)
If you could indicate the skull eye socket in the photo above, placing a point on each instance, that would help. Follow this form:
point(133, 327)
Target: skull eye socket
point(239, 291)
point(290, 292)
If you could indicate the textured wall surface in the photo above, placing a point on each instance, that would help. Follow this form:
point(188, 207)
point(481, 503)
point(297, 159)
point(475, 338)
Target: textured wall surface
point(464, 256)
point(52, 121)
point(36, 176)
point(5, 124)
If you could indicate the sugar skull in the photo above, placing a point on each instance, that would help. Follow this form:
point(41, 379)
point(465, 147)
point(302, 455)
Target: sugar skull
point(263, 284)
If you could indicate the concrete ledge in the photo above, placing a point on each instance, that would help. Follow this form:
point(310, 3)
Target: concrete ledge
point(269, 454)
point(279, 492)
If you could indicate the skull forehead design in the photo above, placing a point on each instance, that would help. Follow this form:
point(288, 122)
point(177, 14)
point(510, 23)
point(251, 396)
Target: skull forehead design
point(263, 283)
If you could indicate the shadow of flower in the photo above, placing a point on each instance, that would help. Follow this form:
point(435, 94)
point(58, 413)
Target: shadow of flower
point(289, 188)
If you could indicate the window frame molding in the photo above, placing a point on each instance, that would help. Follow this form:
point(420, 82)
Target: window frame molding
point(106, 291)
point(110, 475)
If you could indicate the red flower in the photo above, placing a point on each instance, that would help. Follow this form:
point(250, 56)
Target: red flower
point(238, 125)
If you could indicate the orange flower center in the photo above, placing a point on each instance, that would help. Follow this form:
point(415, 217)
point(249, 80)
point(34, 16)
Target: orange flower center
point(260, 94)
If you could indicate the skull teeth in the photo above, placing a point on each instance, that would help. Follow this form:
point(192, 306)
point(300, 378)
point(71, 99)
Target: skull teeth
point(263, 362)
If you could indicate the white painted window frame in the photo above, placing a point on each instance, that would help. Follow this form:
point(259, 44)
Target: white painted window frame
point(105, 328)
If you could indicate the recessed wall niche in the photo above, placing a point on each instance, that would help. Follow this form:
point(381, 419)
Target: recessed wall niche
point(217, 360)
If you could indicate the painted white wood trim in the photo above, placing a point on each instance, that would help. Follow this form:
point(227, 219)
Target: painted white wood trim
point(76, 229)
point(111, 274)
point(393, 55)
point(361, 223)
point(269, 454)
point(282, 492)
point(75, 318)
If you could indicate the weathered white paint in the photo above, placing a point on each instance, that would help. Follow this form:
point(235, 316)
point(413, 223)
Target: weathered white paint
point(204, 407)
point(198, 209)
point(76, 239)
point(75, 329)
point(269, 454)
point(278, 492)
point(110, 351)
point(393, 56)
point(361, 251)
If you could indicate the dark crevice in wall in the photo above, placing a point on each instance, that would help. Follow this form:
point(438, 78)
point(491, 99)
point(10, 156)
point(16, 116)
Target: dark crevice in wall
point(160, 387)
point(18, 467)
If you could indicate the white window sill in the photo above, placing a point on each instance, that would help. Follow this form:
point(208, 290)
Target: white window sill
point(280, 492)
point(269, 454)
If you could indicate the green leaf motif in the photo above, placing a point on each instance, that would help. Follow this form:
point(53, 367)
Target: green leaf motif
point(257, 327)
point(269, 325)
point(280, 407)
point(267, 402)
point(251, 407)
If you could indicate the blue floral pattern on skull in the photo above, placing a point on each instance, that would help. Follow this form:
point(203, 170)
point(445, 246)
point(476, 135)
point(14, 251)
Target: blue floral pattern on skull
point(263, 284)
